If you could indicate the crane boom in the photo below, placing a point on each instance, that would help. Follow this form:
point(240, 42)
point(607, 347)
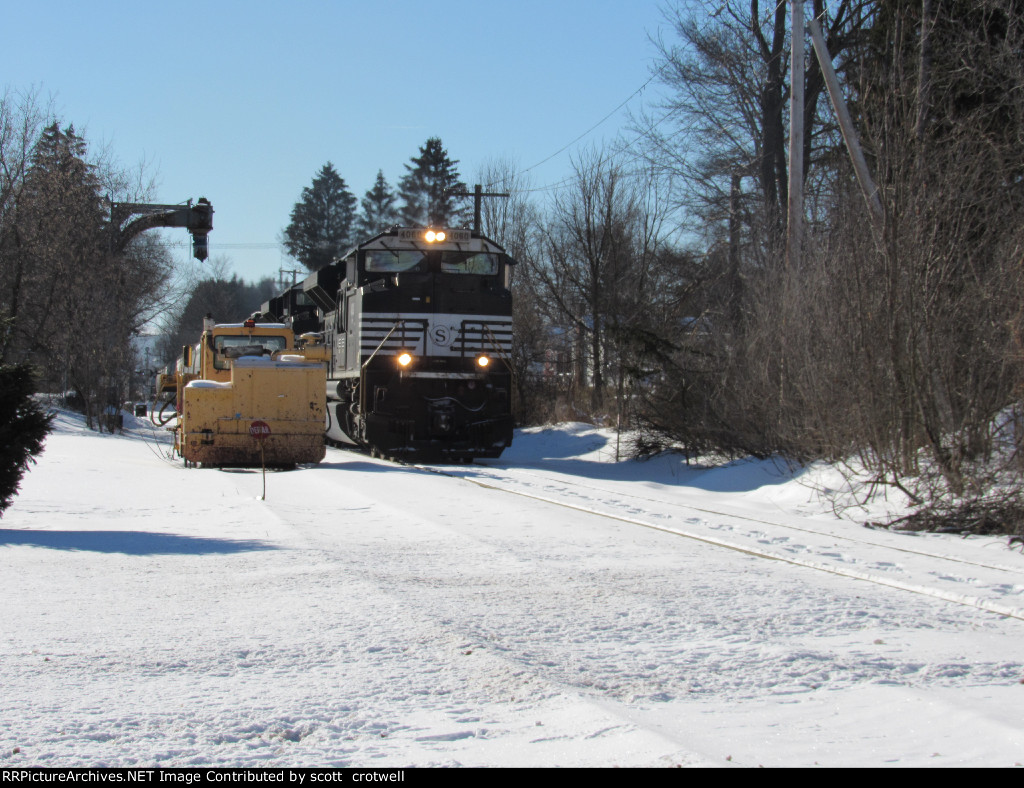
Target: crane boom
point(197, 219)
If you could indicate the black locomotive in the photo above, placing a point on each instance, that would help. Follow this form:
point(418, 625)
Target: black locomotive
point(418, 327)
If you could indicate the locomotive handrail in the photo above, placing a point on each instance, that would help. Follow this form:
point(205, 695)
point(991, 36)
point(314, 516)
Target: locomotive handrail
point(485, 333)
point(386, 338)
point(398, 324)
point(497, 348)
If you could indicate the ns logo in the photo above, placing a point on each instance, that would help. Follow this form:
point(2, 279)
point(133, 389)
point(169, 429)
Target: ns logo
point(441, 336)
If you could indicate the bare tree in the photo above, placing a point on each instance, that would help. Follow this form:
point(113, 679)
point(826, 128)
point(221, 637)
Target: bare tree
point(22, 118)
point(724, 120)
point(942, 115)
point(598, 271)
point(516, 223)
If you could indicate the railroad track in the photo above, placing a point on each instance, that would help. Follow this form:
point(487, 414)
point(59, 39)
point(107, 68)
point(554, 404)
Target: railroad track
point(479, 476)
point(758, 520)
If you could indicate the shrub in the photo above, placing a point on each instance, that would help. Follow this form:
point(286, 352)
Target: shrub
point(23, 428)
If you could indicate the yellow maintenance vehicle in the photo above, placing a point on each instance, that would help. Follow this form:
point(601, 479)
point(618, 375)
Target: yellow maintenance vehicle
point(247, 396)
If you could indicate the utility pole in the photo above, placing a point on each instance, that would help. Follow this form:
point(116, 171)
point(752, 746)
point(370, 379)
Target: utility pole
point(477, 195)
point(282, 271)
point(795, 224)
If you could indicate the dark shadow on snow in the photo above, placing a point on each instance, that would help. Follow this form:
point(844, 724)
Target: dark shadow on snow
point(559, 451)
point(671, 470)
point(556, 444)
point(129, 542)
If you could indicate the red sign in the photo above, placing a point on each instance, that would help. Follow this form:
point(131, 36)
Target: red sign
point(259, 430)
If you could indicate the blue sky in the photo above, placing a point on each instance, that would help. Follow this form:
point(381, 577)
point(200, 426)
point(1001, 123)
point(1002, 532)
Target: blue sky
point(243, 102)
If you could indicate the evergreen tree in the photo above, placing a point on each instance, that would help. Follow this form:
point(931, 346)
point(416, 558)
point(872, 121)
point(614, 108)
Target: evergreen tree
point(53, 234)
point(23, 428)
point(379, 211)
point(72, 305)
point(225, 300)
point(322, 220)
point(426, 190)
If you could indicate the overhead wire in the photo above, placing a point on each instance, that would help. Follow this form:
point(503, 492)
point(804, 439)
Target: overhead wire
point(564, 181)
point(631, 96)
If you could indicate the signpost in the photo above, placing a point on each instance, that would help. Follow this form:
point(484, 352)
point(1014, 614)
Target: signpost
point(260, 431)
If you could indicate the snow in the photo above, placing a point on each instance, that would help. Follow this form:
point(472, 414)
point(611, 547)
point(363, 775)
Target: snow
point(370, 614)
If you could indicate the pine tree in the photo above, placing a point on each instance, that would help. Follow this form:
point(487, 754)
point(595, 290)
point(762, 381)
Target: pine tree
point(23, 428)
point(426, 191)
point(321, 221)
point(72, 304)
point(225, 300)
point(379, 211)
point(53, 250)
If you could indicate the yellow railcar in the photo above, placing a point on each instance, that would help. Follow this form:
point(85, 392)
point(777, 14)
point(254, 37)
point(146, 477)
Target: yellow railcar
point(241, 374)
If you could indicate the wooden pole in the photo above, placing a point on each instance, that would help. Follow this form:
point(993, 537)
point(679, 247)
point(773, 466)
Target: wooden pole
point(860, 165)
point(795, 223)
point(478, 195)
point(734, 248)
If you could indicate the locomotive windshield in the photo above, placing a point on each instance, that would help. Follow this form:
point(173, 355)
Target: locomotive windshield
point(469, 263)
point(395, 261)
point(388, 261)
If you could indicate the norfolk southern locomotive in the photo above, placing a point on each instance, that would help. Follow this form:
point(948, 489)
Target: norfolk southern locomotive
point(418, 323)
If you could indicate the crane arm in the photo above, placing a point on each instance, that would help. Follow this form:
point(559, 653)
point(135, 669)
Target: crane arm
point(197, 219)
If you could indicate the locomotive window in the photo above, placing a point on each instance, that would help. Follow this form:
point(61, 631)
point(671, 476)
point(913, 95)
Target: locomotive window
point(463, 263)
point(230, 346)
point(382, 260)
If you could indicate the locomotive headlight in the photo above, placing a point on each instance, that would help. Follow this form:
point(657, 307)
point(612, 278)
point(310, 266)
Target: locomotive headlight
point(482, 361)
point(404, 358)
point(433, 236)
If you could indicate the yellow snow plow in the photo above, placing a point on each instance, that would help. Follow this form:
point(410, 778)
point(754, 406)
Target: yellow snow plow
point(246, 396)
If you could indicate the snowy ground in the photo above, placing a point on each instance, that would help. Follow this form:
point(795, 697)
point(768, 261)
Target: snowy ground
point(367, 614)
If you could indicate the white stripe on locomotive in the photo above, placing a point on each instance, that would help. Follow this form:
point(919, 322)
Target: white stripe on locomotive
point(445, 335)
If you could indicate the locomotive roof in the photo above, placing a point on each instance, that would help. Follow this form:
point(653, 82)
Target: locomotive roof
point(321, 283)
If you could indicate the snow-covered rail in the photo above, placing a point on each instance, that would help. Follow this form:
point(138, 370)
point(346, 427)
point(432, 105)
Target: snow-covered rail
point(501, 482)
point(509, 474)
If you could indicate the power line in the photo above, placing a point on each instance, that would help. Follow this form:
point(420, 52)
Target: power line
point(253, 245)
point(631, 96)
point(620, 149)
